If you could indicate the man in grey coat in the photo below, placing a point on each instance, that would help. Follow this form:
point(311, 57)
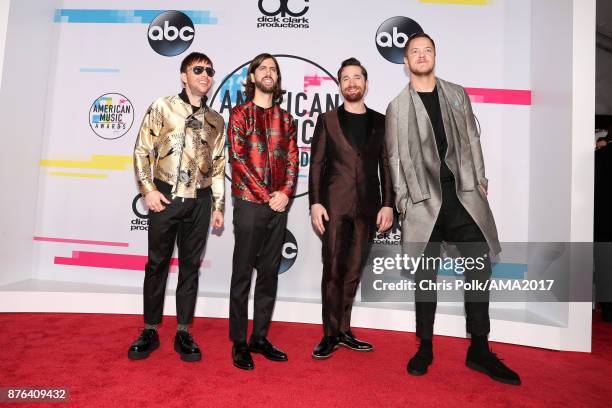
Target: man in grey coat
point(439, 180)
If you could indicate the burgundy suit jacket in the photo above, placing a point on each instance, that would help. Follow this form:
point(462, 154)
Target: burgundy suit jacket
point(344, 179)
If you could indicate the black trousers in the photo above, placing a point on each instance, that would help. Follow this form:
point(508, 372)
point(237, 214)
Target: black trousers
point(259, 234)
point(454, 225)
point(345, 246)
point(185, 221)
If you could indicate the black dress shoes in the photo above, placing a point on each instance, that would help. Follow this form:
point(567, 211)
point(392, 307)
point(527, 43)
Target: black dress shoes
point(242, 356)
point(420, 361)
point(264, 347)
point(347, 339)
point(186, 347)
point(144, 345)
point(326, 347)
point(485, 361)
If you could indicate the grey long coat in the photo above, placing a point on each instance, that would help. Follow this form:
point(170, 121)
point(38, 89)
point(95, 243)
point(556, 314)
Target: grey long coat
point(415, 164)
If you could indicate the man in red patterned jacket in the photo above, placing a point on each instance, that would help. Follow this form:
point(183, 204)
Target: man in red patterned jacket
point(264, 157)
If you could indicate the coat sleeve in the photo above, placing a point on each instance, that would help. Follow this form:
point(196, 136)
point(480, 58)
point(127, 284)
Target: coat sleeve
point(144, 148)
point(218, 175)
point(474, 138)
point(386, 184)
point(288, 187)
point(395, 164)
point(318, 161)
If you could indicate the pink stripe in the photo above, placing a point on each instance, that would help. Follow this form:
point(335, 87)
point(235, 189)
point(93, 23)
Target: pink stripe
point(81, 241)
point(314, 80)
point(500, 96)
point(113, 261)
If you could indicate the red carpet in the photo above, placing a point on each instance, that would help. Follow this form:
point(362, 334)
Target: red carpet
point(88, 354)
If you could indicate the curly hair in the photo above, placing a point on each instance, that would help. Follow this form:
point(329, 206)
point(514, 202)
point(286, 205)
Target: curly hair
point(249, 87)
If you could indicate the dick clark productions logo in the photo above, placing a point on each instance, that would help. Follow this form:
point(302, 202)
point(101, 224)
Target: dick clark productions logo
point(111, 116)
point(278, 14)
point(171, 33)
point(392, 35)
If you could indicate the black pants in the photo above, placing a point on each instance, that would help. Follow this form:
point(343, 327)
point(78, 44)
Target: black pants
point(346, 243)
point(456, 226)
point(185, 221)
point(259, 235)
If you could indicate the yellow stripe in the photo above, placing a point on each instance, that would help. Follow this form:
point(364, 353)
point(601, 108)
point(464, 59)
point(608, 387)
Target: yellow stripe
point(464, 2)
point(97, 162)
point(84, 175)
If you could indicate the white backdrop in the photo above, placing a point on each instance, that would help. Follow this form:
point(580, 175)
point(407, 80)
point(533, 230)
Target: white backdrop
point(87, 184)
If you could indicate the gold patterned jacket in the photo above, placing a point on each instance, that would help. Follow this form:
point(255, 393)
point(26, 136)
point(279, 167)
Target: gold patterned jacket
point(183, 148)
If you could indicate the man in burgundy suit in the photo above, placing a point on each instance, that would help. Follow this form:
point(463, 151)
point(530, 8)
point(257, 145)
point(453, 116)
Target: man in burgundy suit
point(350, 193)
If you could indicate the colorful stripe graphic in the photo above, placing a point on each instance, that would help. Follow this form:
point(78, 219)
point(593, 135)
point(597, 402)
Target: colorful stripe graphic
point(97, 162)
point(100, 70)
point(499, 96)
point(104, 16)
point(500, 271)
point(314, 80)
point(112, 261)
point(461, 2)
point(80, 175)
point(81, 241)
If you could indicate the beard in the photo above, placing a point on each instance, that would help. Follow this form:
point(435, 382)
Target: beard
point(263, 88)
point(422, 72)
point(353, 97)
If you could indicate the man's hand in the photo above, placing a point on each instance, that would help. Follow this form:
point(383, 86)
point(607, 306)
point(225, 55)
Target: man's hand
point(154, 200)
point(217, 219)
point(317, 214)
point(384, 219)
point(278, 201)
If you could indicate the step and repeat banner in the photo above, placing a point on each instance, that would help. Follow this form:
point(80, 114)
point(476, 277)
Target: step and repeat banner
point(111, 62)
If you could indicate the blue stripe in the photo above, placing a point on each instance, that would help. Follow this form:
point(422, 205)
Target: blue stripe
point(105, 70)
point(96, 16)
point(500, 271)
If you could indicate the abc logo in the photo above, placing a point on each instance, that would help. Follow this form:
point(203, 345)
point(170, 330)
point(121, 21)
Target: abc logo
point(392, 35)
point(289, 252)
point(171, 33)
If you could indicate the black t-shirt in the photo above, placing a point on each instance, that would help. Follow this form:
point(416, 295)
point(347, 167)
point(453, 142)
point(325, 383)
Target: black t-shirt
point(432, 104)
point(357, 128)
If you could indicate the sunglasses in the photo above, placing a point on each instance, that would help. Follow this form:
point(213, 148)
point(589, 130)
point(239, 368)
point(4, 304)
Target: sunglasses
point(198, 69)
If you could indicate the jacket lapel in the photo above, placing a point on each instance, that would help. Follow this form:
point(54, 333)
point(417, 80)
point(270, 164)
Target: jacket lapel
point(339, 122)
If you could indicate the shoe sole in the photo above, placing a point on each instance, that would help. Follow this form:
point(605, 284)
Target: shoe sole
point(416, 373)
point(353, 348)
point(324, 357)
point(141, 355)
point(481, 369)
point(243, 368)
point(269, 358)
point(190, 358)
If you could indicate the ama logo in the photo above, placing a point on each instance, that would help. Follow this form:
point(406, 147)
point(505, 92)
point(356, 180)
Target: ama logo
point(392, 36)
point(310, 91)
point(171, 33)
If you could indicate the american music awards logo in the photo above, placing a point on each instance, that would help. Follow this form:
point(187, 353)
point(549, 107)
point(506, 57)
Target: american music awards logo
point(310, 91)
point(111, 116)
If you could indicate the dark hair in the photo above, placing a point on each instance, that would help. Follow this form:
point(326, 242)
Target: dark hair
point(194, 57)
point(352, 62)
point(249, 87)
point(414, 37)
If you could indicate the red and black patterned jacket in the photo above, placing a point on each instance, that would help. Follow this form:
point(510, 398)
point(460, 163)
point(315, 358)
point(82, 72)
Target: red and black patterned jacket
point(263, 152)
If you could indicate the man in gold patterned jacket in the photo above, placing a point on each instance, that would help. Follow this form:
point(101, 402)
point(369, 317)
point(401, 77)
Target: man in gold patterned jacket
point(179, 162)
